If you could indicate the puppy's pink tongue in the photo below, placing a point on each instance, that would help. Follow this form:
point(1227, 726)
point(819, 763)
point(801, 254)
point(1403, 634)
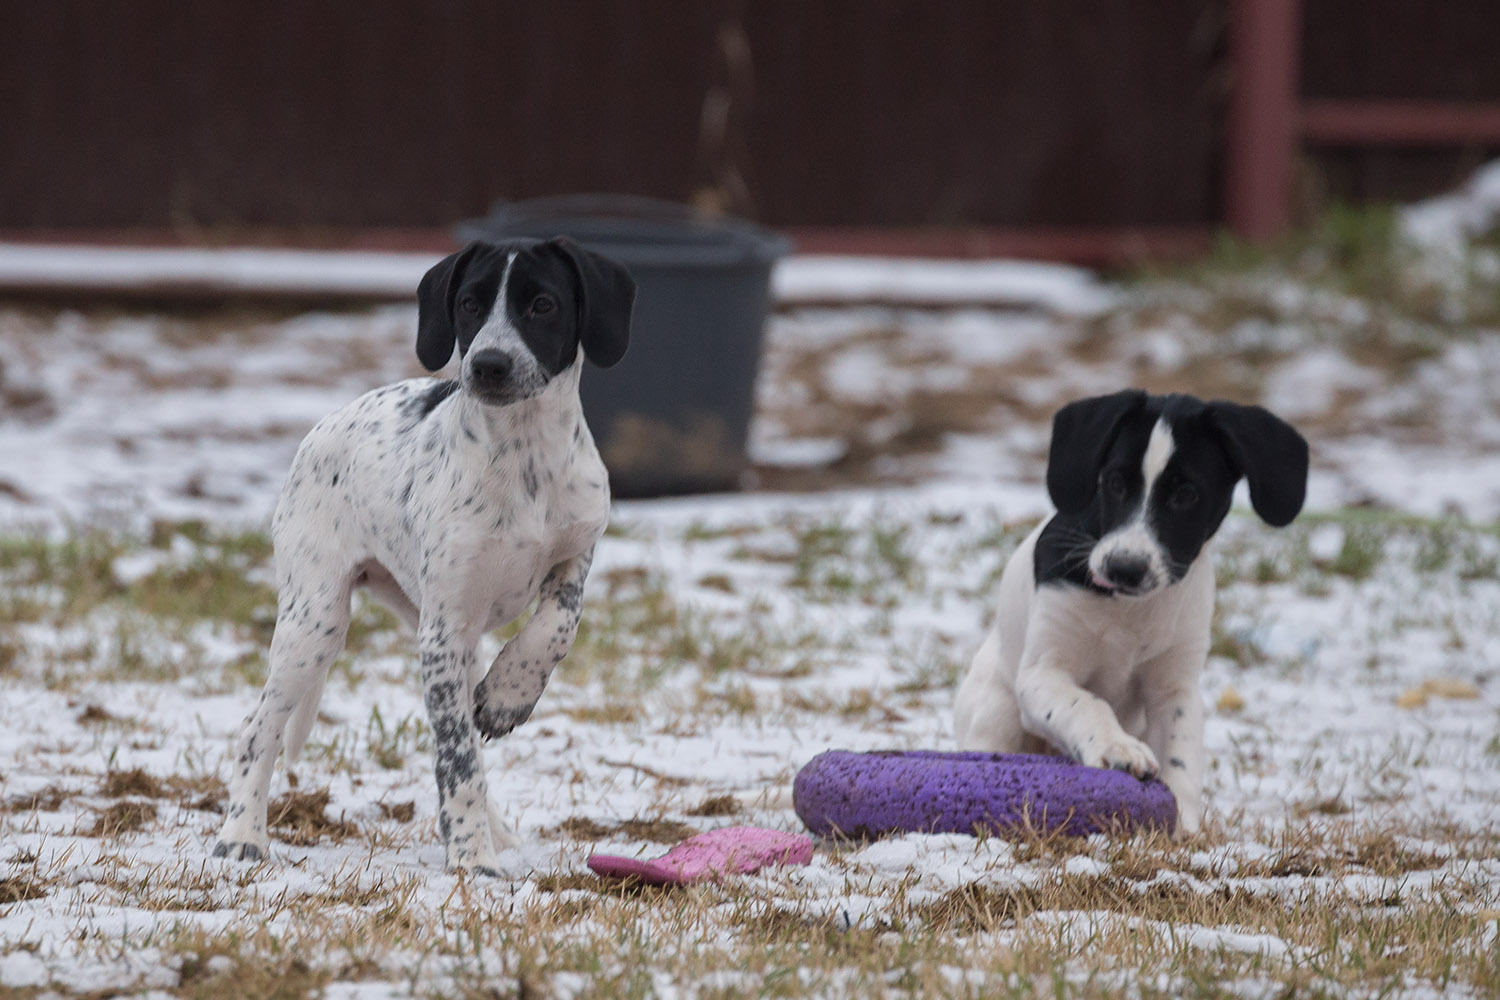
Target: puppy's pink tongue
point(1100, 582)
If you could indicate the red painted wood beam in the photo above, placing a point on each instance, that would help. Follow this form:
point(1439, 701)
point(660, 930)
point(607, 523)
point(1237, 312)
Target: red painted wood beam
point(1260, 148)
point(1409, 123)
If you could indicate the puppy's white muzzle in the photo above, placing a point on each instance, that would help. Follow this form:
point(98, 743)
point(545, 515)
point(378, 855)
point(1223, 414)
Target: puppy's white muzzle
point(1129, 562)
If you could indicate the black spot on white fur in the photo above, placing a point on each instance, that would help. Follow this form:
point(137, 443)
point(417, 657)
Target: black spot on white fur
point(421, 404)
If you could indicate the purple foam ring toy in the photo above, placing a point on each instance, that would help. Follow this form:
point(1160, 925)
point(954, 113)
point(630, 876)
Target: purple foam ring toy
point(842, 793)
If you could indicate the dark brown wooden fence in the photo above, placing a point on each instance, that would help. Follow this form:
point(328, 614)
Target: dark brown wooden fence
point(893, 113)
point(1434, 53)
point(347, 112)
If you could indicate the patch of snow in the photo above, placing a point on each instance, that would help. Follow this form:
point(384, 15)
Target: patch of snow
point(105, 268)
point(798, 278)
point(20, 968)
point(1054, 287)
point(1219, 939)
point(1445, 225)
point(812, 451)
point(1311, 382)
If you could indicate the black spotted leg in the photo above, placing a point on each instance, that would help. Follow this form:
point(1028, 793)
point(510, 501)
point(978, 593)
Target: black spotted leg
point(509, 691)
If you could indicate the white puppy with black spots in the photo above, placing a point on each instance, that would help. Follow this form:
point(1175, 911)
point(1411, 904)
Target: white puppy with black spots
point(1102, 628)
point(457, 503)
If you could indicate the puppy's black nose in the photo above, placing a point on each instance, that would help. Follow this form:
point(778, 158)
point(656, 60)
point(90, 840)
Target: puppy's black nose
point(1126, 572)
point(491, 369)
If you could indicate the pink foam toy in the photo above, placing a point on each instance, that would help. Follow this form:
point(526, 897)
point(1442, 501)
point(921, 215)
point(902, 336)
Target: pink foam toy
point(729, 850)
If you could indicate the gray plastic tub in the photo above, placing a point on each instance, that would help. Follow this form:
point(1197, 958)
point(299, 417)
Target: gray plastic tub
point(674, 415)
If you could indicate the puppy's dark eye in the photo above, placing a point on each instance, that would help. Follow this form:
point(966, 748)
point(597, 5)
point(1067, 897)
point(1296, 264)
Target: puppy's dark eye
point(1115, 486)
point(542, 305)
point(1183, 497)
point(469, 304)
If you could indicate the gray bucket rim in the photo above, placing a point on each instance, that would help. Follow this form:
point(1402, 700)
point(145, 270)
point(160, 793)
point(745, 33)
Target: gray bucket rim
point(683, 236)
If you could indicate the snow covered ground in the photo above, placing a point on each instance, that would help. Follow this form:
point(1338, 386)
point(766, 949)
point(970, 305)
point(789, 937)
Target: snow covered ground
point(1353, 786)
point(1354, 778)
point(113, 416)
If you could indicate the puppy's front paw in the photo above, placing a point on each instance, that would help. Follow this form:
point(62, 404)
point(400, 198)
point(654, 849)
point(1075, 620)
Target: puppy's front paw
point(1122, 753)
point(239, 850)
point(487, 871)
point(474, 862)
point(1189, 820)
point(495, 720)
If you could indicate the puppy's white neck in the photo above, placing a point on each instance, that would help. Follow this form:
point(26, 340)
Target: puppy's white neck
point(554, 412)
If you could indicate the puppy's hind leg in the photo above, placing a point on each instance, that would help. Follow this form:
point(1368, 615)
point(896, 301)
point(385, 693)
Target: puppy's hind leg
point(383, 587)
point(311, 622)
point(985, 714)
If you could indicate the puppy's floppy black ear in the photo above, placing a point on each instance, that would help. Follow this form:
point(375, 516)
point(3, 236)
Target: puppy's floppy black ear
point(1268, 452)
point(435, 334)
point(606, 294)
point(1082, 433)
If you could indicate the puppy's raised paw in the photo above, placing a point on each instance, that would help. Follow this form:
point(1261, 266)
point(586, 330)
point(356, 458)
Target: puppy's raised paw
point(495, 720)
point(1122, 753)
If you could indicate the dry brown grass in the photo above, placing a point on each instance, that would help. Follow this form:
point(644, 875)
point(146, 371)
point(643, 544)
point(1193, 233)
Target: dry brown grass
point(301, 818)
point(94, 715)
point(659, 831)
point(48, 799)
point(716, 805)
point(18, 888)
point(118, 784)
point(401, 812)
point(127, 816)
point(1139, 910)
point(283, 977)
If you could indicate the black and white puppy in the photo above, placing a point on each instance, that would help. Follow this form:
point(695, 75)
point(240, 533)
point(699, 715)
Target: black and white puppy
point(457, 503)
point(1102, 628)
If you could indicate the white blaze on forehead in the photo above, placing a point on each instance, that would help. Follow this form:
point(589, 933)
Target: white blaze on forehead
point(1136, 539)
point(499, 333)
point(1159, 451)
point(497, 311)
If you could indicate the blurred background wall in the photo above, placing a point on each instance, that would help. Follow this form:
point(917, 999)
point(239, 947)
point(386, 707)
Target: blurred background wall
point(298, 115)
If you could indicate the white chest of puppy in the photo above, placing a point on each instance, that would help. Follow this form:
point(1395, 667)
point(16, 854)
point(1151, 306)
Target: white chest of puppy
point(1104, 612)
